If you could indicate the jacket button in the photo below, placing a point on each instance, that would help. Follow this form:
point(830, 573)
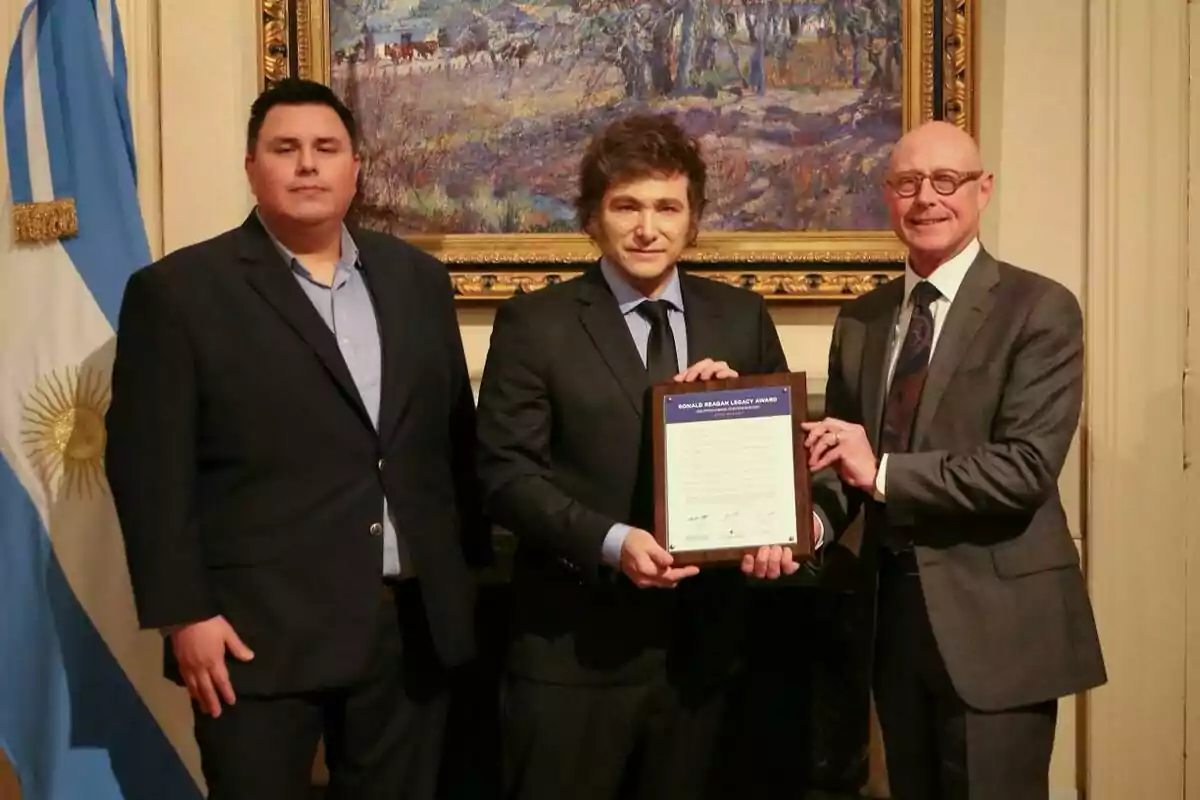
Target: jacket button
point(381, 462)
point(376, 529)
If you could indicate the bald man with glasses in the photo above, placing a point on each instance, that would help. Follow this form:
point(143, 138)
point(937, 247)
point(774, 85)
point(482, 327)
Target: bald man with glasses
point(953, 396)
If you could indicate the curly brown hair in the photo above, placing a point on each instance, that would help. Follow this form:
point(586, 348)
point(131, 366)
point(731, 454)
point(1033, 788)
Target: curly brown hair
point(636, 147)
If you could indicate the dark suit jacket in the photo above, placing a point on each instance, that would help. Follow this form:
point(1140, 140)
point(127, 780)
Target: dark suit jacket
point(978, 493)
point(564, 454)
point(248, 477)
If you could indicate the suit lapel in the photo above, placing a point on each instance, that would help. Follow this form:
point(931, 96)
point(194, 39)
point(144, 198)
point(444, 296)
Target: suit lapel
point(880, 331)
point(601, 318)
point(702, 317)
point(392, 296)
point(273, 279)
point(967, 313)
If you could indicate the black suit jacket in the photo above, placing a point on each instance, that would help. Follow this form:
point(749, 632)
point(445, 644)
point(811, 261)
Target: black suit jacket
point(978, 493)
point(248, 477)
point(564, 454)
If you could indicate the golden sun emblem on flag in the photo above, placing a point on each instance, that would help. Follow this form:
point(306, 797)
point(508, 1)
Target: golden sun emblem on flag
point(63, 429)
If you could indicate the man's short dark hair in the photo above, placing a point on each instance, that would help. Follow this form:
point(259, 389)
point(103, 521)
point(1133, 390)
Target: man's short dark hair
point(297, 92)
point(637, 147)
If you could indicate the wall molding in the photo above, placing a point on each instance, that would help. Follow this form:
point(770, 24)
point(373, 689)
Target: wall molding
point(1136, 527)
point(205, 94)
point(140, 31)
point(1192, 399)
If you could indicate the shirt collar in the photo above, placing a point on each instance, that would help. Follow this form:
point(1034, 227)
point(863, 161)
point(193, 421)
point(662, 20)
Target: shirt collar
point(947, 278)
point(349, 257)
point(629, 298)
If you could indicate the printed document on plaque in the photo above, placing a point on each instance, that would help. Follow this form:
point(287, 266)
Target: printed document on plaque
point(731, 476)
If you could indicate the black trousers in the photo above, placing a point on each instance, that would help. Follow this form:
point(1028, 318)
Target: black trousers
point(383, 736)
point(937, 747)
point(646, 741)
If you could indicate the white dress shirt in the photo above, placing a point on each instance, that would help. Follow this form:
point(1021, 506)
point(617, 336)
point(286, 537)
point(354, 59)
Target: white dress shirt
point(947, 279)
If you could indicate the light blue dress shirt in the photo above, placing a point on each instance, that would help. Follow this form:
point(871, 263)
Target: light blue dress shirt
point(628, 299)
point(348, 310)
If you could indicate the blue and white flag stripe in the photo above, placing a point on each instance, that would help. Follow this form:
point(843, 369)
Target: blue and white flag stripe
point(28, 161)
point(86, 712)
point(106, 15)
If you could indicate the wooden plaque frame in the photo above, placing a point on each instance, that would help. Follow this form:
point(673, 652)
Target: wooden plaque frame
point(796, 383)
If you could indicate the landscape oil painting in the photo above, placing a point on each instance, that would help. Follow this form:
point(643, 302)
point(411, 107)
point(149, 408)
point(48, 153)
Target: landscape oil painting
point(474, 114)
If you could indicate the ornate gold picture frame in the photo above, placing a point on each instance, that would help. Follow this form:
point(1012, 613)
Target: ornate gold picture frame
point(914, 62)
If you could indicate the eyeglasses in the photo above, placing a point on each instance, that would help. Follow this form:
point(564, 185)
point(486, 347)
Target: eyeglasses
point(945, 181)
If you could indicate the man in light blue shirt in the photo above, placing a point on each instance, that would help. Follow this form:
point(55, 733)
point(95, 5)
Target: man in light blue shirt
point(291, 452)
point(345, 305)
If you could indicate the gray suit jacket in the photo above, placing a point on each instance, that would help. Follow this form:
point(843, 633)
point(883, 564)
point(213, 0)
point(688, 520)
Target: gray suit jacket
point(978, 493)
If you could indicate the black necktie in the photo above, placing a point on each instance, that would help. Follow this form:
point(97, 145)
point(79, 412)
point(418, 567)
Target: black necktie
point(662, 363)
point(912, 366)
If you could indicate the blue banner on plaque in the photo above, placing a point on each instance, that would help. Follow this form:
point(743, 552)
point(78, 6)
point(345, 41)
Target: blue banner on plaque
point(763, 401)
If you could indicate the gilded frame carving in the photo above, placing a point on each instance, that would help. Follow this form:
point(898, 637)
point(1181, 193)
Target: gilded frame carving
point(940, 80)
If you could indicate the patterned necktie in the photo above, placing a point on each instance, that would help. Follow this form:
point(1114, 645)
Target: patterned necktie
point(912, 366)
point(662, 363)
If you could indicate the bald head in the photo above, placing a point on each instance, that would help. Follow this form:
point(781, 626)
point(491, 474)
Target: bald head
point(936, 191)
point(936, 145)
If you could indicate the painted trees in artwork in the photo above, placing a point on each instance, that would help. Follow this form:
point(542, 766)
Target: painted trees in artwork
point(667, 47)
point(474, 112)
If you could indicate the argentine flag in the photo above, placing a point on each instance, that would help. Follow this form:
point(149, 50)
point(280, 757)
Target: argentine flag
point(84, 711)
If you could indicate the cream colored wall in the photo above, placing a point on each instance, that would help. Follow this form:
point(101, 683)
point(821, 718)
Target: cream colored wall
point(1192, 403)
point(139, 27)
point(206, 92)
point(1085, 118)
point(1139, 532)
point(1032, 135)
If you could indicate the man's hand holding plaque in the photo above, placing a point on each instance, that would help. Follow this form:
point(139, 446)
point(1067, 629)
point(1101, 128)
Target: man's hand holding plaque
point(648, 565)
point(846, 447)
point(706, 370)
point(772, 561)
